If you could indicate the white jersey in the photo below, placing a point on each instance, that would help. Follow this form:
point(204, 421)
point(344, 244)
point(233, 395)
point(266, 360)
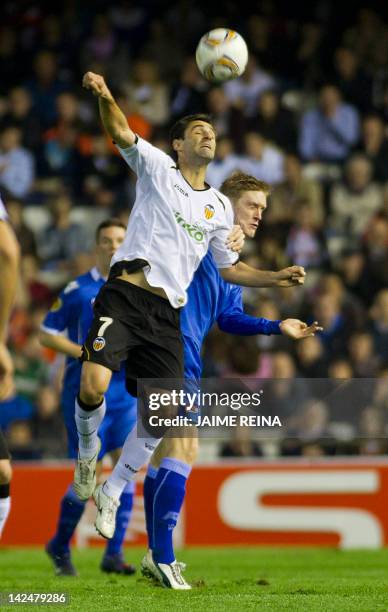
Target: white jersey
point(3, 212)
point(172, 225)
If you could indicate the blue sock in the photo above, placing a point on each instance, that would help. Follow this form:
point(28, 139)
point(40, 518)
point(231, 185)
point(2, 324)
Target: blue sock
point(115, 545)
point(70, 513)
point(148, 494)
point(170, 488)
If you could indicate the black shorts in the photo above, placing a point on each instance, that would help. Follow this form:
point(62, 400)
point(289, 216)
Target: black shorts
point(4, 454)
point(137, 327)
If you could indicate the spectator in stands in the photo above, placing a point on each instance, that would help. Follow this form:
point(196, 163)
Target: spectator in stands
point(16, 163)
point(375, 246)
point(261, 159)
point(148, 92)
point(63, 239)
point(226, 118)
point(247, 90)
point(295, 188)
point(188, 94)
point(364, 362)
point(24, 234)
point(20, 114)
point(44, 87)
point(225, 162)
point(374, 145)
point(327, 311)
point(330, 130)
point(47, 421)
point(379, 324)
point(311, 360)
point(274, 122)
point(21, 443)
point(241, 444)
point(371, 432)
point(350, 78)
point(306, 243)
point(354, 200)
point(103, 173)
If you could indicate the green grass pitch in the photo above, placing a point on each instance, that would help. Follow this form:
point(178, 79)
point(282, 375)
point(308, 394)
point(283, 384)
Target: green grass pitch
point(224, 579)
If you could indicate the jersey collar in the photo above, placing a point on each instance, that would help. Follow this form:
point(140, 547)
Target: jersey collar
point(96, 276)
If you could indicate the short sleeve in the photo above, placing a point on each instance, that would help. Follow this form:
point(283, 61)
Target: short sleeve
point(63, 310)
point(145, 159)
point(223, 256)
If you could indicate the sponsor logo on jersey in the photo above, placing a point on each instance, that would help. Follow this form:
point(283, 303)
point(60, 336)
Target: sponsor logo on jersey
point(193, 230)
point(98, 343)
point(183, 192)
point(57, 305)
point(209, 211)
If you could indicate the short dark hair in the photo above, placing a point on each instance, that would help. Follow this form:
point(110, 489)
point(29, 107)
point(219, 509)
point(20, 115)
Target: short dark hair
point(179, 127)
point(112, 222)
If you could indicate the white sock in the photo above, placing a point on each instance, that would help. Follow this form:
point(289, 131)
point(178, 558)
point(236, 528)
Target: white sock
point(88, 422)
point(136, 452)
point(5, 507)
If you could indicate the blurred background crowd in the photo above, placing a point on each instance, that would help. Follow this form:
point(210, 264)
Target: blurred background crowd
point(310, 116)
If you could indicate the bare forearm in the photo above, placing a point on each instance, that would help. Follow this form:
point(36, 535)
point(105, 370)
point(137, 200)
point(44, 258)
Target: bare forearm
point(61, 344)
point(242, 274)
point(9, 265)
point(115, 122)
point(112, 117)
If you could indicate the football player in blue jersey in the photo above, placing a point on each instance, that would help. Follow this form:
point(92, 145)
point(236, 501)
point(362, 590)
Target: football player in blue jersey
point(210, 300)
point(73, 312)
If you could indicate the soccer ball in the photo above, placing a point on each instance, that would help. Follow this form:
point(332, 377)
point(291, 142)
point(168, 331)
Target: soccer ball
point(221, 55)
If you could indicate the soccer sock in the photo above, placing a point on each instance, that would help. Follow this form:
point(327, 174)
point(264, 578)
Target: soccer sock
point(136, 452)
point(170, 488)
point(88, 422)
point(69, 516)
point(148, 494)
point(123, 517)
point(5, 505)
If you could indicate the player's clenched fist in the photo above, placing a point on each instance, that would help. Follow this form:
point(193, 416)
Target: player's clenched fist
point(96, 84)
point(289, 277)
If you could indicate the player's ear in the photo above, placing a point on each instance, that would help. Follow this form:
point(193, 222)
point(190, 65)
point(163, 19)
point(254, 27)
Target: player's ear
point(177, 144)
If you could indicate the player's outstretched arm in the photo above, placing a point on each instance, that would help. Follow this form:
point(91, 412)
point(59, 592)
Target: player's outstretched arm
point(9, 264)
point(60, 343)
point(112, 117)
point(242, 274)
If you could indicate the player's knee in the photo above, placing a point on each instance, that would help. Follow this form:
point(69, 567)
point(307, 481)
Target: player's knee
point(5, 472)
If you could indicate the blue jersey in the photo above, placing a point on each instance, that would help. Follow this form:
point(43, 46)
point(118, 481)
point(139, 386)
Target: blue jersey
point(73, 312)
point(211, 299)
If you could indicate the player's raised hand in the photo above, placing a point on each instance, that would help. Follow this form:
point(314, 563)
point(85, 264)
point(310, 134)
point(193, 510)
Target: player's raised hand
point(297, 330)
point(96, 84)
point(235, 240)
point(291, 276)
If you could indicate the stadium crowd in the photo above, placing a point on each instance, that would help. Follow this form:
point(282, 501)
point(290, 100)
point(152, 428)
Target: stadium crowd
point(309, 116)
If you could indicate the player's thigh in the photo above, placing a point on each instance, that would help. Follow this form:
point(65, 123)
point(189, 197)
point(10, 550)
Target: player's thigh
point(155, 362)
point(95, 379)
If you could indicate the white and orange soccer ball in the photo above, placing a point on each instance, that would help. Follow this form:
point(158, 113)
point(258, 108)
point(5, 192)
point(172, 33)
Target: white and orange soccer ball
point(221, 55)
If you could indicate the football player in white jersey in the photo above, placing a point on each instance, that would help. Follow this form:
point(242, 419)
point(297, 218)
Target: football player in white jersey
point(176, 217)
point(9, 264)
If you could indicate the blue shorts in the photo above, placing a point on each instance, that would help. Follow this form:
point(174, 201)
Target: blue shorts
point(112, 432)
